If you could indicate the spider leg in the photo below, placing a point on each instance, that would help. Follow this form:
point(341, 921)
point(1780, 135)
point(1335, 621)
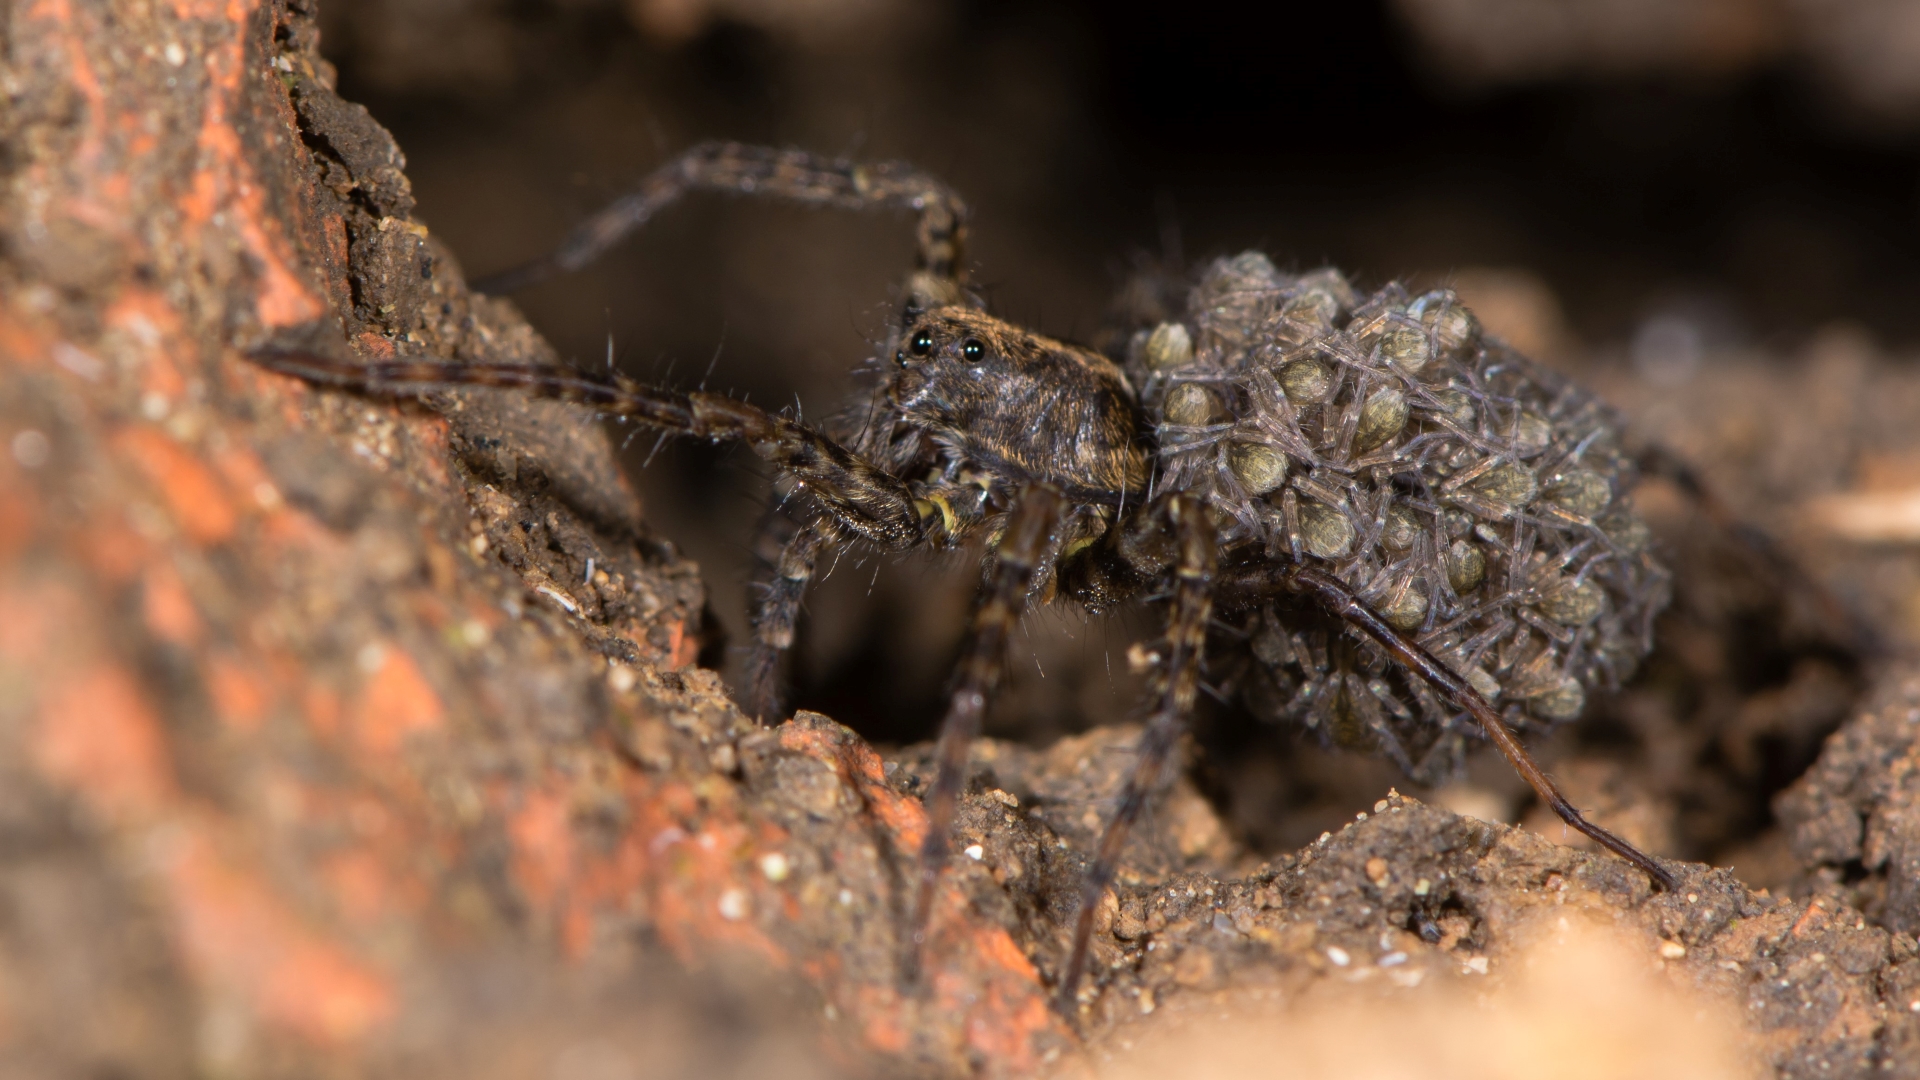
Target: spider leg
point(1016, 561)
point(1340, 600)
point(1177, 683)
point(792, 175)
point(785, 577)
point(860, 498)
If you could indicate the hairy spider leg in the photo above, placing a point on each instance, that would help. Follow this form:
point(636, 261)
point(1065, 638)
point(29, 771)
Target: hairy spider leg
point(861, 499)
point(785, 575)
point(791, 175)
point(1339, 599)
point(1025, 545)
point(796, 176)
point(1177, 684)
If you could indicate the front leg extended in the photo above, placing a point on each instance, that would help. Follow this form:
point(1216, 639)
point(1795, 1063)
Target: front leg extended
point(859, 497)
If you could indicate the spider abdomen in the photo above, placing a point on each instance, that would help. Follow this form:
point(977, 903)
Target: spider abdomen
point(1472, 498)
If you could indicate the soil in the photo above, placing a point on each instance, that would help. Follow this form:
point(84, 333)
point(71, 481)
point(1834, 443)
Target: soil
point(352, 737)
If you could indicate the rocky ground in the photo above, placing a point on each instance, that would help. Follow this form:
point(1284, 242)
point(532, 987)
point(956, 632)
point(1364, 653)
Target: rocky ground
point(351, 737)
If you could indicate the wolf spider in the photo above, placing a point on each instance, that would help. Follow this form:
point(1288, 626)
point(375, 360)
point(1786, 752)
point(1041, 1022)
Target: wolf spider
point(1373, 519)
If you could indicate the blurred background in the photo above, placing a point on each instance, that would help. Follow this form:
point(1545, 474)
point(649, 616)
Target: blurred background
point(1624, 188)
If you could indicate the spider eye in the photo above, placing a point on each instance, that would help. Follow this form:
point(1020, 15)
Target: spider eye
point(972, 349)
point(922, 343)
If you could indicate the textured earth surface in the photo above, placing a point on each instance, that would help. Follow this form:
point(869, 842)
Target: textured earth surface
point(344, 737)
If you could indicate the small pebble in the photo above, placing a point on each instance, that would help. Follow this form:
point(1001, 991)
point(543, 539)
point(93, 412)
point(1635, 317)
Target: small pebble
point(1339, 956)
point(1475, 966)
point(74, 360)
point(775, 866)
point(1393, 959)
point(1380, 807)
point(1672, 950)
point(1422, 887)
point(734, 904)
point(846, 897)
point(976, 852)
point(31, 449)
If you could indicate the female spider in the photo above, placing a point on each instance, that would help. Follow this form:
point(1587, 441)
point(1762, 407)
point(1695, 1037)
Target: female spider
point(1358, 511)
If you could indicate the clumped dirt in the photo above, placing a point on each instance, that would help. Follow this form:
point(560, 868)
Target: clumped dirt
point(354, 737)
point(1851, 820)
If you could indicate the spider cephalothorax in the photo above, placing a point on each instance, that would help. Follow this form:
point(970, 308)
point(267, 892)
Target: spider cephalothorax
point(1020, 405)
point(1398, 522)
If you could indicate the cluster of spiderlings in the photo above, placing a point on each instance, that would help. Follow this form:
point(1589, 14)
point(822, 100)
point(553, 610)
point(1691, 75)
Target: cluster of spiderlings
point(1475, 501)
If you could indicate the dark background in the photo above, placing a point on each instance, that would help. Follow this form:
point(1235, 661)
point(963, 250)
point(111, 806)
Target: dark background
point(1742, 170)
